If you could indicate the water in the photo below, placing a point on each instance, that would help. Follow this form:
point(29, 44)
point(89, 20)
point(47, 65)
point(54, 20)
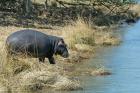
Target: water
point(138, 1)
point(123, 61)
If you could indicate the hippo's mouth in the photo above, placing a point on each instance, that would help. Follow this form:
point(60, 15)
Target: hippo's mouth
point(65, 55)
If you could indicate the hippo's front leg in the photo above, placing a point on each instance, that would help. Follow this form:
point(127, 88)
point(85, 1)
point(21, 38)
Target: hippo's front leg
point(51, 60)
point(42, 59)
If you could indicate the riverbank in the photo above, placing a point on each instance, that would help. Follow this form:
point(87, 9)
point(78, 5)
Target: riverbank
point(83, 39)
point(26, 74)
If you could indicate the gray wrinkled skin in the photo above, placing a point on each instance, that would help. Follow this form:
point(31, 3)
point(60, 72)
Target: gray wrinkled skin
point(36, 44)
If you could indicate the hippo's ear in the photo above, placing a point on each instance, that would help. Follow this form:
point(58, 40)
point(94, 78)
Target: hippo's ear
point(61, 41)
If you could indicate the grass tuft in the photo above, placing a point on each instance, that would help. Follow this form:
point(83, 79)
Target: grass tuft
point(78, 33)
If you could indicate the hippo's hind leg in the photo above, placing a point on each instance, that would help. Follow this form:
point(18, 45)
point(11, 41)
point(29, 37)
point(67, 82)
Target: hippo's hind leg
point(11, 56)
point(42, 59)
point(51, 60)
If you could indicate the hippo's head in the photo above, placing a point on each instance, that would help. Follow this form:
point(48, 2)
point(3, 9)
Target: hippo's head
point(61, 49)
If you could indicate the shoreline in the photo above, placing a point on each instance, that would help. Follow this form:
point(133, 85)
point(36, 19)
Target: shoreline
point(83, 40)
point(20, 70)
point(64, 68)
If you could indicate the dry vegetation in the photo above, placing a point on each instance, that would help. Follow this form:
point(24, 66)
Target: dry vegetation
point(26, 74)
point(135, 9)
point(82, 36)
point(81, 33)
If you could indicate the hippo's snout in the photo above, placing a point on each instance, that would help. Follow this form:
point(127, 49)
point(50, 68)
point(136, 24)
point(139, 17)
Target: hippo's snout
point(62, 51)
point(65, 55)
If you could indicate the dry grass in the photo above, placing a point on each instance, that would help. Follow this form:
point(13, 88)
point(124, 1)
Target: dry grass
point(78, 33)
point(64, 83)
point(36, 80)
point(28, 75)
point(106, 38)
point(82, 36)
point(135, 9)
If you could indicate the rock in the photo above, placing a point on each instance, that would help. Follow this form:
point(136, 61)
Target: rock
point(100, 72)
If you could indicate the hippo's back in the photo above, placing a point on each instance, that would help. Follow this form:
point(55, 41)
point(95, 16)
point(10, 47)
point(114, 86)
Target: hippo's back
point(28, 40)
point(27, 34)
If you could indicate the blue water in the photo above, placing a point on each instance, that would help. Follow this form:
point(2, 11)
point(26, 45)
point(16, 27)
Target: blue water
point(123, 61)
point(138, 1)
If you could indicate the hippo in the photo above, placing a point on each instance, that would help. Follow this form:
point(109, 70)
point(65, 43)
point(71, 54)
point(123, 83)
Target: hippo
point(36, 44)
